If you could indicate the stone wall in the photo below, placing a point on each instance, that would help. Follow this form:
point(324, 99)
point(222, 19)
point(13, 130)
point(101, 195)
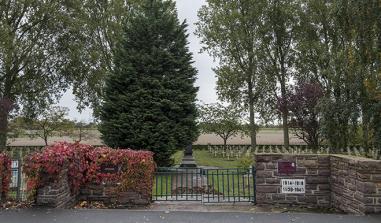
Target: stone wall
point(58, 195)
point(350, 184)
point(356, 184)
point(109, 194)
point(313, 168)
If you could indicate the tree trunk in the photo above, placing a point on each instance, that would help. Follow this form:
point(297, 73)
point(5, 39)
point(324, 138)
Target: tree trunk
point(45, 139)
point(365, 131)
point(225, 142)
point(285, 130)
point(3, 128)
point(286, 140)
point(253, 133)
point(80, 134)
point(6, 105)
point(315, 139)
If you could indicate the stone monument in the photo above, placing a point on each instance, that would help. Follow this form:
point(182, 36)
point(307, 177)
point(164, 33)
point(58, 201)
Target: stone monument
point(188, 160)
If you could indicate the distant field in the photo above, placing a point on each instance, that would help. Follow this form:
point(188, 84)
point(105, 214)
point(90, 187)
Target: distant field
point(264, 137)
point(92, 137)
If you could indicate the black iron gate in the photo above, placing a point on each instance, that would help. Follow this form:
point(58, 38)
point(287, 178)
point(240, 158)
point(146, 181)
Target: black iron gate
point(204, 185)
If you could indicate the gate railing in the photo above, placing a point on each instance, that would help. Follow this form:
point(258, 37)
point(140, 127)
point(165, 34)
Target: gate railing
point(230, 185)
point(178, 184)
point(17, 185)
point(205, 185)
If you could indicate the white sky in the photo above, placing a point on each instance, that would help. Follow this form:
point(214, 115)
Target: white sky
point(187, 9)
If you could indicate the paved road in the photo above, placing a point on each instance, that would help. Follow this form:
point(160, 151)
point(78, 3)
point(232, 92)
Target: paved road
point(126, 216)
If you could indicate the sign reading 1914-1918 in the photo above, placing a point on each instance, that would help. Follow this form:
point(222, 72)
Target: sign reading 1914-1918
point(293, 186)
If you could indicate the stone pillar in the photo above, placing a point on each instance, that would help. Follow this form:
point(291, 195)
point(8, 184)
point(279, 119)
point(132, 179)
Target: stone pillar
point(56, 194)
point(349, 184)
point(314, 169)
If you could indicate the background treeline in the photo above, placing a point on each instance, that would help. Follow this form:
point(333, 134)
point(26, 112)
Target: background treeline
point(52, 122)
point(315, 64)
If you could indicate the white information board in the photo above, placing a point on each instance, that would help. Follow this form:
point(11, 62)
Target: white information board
point(15, 164)
point(15, 173)
point(293, 186)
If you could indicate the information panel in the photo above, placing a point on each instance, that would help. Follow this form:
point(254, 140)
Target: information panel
point(286, 167)
point(110, 168)
point(293, 186)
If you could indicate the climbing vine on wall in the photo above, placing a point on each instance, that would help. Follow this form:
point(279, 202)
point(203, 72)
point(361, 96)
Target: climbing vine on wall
point(5, 174)
point(84, 166)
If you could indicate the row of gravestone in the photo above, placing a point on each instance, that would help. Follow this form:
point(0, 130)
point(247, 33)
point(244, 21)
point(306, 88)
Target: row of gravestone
point(239, 150)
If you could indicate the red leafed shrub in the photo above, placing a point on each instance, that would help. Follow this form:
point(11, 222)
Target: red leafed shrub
point(5, 174)
point(140, 172)
point(46, 165)
point(84, 164)
point(136, 168)
point(108, 157)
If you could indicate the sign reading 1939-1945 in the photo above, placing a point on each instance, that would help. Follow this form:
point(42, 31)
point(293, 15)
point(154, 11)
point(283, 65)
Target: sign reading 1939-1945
point(293, 186)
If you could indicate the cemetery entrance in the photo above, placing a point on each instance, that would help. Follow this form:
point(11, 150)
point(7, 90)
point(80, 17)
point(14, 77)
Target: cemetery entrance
point(204, 185)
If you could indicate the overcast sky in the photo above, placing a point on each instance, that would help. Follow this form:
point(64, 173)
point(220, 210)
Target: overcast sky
point(187, 9)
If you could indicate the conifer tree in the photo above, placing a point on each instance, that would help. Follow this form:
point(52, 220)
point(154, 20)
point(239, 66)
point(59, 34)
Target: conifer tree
point(149, 100)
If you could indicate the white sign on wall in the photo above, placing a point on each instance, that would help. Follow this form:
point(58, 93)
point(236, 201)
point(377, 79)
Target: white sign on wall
point(15, 164)
point(293, 186)
point(15, 173)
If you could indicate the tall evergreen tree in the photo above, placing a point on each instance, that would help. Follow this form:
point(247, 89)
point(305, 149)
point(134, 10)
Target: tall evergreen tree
point(149, 100)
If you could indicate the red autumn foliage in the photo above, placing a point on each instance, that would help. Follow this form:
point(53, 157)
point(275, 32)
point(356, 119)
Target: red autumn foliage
point(126, 159)
point(5, 174)
point(47, 165)
point(84, 163)
point(302, 104)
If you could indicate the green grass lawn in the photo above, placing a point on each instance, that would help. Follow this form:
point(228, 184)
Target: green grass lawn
point(177, 157)
point(232, 182)
point(12, 194)
point(204, 158)
point(163, 183)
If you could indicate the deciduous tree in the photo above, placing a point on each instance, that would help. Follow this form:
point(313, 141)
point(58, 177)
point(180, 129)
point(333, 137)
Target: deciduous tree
point(48, 46)
point(338, 46)
point(53, 121)
point(278, 37)
point(224, 121)
point(303, 106)
point(229, 31)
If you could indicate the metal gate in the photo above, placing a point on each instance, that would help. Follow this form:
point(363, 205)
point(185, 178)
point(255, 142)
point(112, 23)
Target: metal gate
point(17, 185)
point(204, 185)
